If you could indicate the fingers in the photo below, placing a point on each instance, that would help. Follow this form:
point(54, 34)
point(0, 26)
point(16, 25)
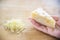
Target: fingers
point(56, 18)
point(58, 22)
point(34, 22)
point(49, 30)
point(38, 26)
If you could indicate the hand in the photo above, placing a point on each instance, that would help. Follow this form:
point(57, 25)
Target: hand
point(55, 32)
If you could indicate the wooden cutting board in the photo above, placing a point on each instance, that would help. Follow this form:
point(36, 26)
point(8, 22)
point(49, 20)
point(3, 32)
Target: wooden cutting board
point(22, 9)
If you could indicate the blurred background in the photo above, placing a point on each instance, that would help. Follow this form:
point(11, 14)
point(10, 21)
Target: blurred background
point(22, 9)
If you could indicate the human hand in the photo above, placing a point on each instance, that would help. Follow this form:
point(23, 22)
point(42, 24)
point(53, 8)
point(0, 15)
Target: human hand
point(55, 32)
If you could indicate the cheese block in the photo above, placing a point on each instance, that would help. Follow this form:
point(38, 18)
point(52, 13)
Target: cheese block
point(43, 17)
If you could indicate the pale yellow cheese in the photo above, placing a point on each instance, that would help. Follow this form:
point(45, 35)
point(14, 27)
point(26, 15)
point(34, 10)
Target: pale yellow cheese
point(14, 25)
point(43, 17)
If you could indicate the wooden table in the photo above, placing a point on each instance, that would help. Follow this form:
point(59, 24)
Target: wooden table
point(22, 9)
